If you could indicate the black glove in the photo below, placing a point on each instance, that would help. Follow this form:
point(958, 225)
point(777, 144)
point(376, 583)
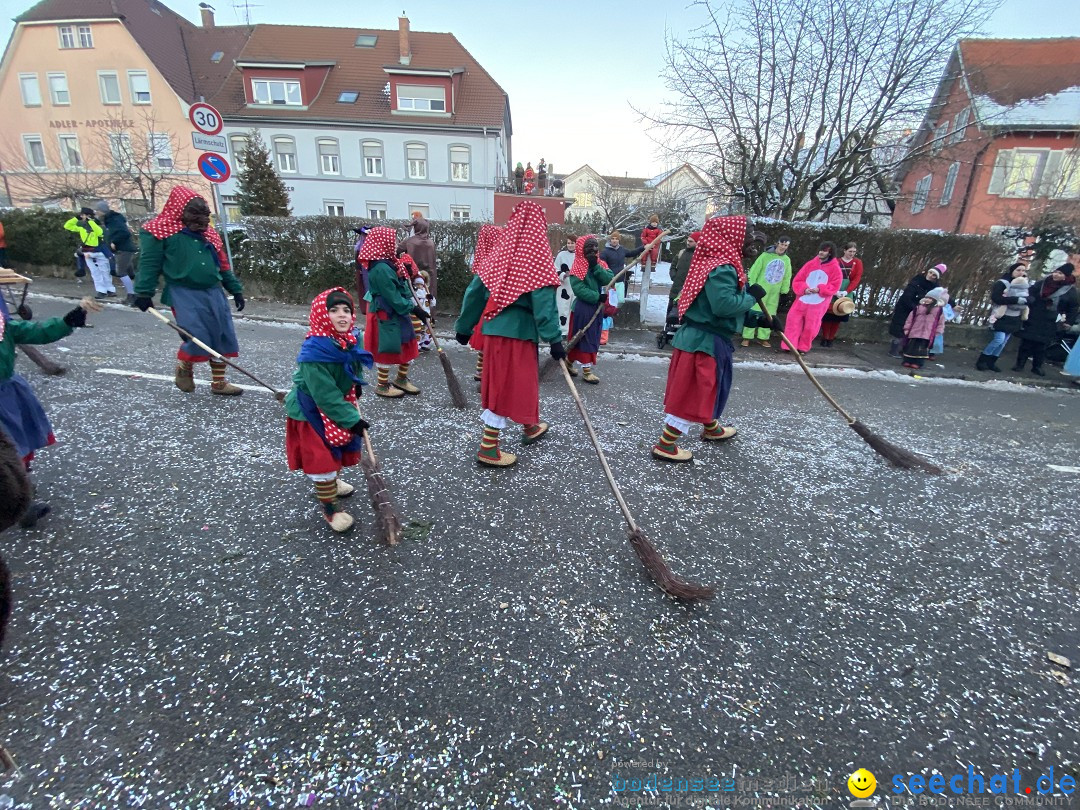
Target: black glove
point(238, 299)
point(462, 338)
point(144, 302)
point(766, 321)
point(420, 313)
point(25, 312)
point(359, 428)
point(757, 292)
point(76, 318)
point(558, 351)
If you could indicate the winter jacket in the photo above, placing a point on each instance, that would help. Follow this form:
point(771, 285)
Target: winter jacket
point(719, 309)
point(1041, 325)
point(924, 325)
point(422, 249)
point(678, 275)
point(915, 291)
point(533, 316)
point(647, 236)
point(615, 257)
point(89, 232)
point(1011, 320)
point(117, 232)
point(184, 261)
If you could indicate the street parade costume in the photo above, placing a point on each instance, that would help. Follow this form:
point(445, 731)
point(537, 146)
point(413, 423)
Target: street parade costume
point(588, 282)
point(512, 301)
point(324, 431)
point(773, 272)
point(804, 318)
point(196, 269)
point(712, 305)
point(837, 314)
point(389, 332)
point(486, 240)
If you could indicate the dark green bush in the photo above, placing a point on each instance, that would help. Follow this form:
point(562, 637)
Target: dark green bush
point(37, 236)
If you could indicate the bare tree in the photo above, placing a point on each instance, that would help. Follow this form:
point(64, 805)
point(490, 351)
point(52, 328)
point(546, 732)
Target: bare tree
point(792, 108)
point(143, 156)
point(43, 175)
point(618, 206)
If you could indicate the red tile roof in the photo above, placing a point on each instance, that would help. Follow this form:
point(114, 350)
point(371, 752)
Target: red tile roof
point(1011, 70)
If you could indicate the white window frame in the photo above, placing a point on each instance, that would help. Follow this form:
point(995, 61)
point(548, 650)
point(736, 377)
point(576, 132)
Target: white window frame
point(334, 208)
point(922, 193)
point(27, 77)
point(68, 142)
point(65, 34)
point(421, 98)
point(375, 210)
point(283, 166)
point(941, 136)
point(86, 36)
point(423, 208)
point(132, 75)
point(583, 199)
point(1068, 184)
point(960, 124)
point(1011, 187)
point(329, 162)
point(456, 173)
point(33, 138)
point(161, 152)
point(416, 168)
point(374, 165)
point(950, 184)
point(54, 93)
point(237, 144)
point(264, 88)
point(460, 213)
point(102, 75)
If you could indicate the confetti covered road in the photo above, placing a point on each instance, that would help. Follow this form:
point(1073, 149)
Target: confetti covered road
point(188, 634)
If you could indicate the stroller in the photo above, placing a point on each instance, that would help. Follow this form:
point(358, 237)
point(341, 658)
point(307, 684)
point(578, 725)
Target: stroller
point(671, 325)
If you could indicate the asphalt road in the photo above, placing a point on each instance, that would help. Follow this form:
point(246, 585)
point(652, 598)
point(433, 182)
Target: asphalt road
point(189, 634)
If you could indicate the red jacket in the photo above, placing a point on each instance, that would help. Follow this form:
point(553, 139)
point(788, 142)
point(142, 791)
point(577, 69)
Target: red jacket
point(855, 276)
point(647, 236)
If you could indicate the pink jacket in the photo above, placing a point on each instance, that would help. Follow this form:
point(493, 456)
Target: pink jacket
point(923, 325)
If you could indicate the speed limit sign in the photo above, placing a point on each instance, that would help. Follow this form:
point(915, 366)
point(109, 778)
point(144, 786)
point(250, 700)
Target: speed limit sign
point(205, 118)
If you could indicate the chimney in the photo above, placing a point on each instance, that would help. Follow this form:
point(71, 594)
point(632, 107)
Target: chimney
point(405, 51)
point(207, 17)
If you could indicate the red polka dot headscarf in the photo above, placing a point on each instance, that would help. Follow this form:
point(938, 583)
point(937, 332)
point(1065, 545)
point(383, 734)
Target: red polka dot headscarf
point(580, 267)
point(721, 242)
point(168, 222)
point(522, 261)
point(486, 241)
point(380, 245)
point(319, 324)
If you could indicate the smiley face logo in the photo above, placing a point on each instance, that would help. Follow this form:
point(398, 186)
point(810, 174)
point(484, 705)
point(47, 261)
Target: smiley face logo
point(861, 783)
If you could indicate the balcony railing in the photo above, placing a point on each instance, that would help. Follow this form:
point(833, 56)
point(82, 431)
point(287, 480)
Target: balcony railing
point(508, 184)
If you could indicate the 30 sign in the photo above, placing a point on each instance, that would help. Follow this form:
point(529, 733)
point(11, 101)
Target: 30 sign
point(205, 118)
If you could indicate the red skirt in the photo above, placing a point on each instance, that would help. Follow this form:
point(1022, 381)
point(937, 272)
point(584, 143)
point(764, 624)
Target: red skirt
point(410, 350)
point(691, 386)
point(305, 450)
point(510, 385)
point(477, 339)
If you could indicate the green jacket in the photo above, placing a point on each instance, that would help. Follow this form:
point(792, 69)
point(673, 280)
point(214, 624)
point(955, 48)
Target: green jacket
point(718, 309)
point(327, 384)
point(534, 316)
point(184, 261)
point(588, 288)
point(28, 332)
point(384, 280)
point(89, 232)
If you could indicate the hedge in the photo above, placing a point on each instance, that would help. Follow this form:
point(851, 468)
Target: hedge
point(294, 258)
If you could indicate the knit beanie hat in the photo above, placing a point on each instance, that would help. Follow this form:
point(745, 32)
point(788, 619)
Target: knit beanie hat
point(941, 268)
point(1067, 269)
point(338, 297)
point(102, 206)
point(940, 295)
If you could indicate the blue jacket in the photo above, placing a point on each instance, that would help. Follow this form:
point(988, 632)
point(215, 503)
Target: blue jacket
point(615, 257)
point(117, 232)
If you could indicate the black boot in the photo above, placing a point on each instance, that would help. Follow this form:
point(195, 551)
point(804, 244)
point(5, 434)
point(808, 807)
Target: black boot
point(35, 512)
point(1037, 371)
point(983, 363)
point(1019, 366)
point(991, 364)
point(894, 347)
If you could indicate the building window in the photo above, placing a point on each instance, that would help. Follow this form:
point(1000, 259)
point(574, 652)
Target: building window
point(960, 122)
point(86, 38)
point(329, 156)
point(459, 213)
point(940, 135)
point(423, 209)
point(35, 151)
point(67, 36)
point(31, 91)
point(583, 199)
point(58, 89)
point(120, 150)
point(285, 155)
point(161, 150)
point(421, 98)
point(950, 183)
point(334, 208)
point(139, 84)
point(348, 97)
point(1023, 172)
point(136, 207)
point(373, 158)
point(376, 210)
point(70, 158)
point(459, 164)
point(416, 156)
point(109, 87)
point(1069, 183)
point(922, 194)
point(238, 143)
point(266, 91)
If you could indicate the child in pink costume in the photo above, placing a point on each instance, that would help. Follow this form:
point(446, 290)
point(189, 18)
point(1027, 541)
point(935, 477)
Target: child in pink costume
point(815, 285)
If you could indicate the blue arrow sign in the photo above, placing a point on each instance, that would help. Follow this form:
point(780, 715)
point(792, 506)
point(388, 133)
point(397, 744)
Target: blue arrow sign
point(214, 168)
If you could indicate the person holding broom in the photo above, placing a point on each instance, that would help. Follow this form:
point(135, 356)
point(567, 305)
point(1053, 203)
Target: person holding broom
point(512, 298)
point(588, 278)
point(388, 332)
point(714, 300)
point(486, 240)
point(324, 431)
point(180, 244)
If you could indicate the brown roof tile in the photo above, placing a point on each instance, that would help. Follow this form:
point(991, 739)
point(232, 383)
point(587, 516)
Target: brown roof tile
point(1011, 70)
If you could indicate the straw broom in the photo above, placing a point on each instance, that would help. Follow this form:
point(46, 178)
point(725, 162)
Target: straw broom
point(388, 525)
point(658, 570)
point(457, 395)
point(896, 456)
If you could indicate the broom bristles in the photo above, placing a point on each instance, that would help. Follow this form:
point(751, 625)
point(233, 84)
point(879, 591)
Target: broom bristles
point(388, 521)
point(896, 456)
point(457, 395)
point(663, 576)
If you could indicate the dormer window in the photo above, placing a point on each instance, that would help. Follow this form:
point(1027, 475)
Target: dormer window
point(276, 92)
point(421, 98)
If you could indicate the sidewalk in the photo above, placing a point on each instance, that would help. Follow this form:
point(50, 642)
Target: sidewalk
point(953, 364)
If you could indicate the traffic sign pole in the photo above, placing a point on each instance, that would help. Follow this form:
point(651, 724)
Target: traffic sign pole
point(223, 216)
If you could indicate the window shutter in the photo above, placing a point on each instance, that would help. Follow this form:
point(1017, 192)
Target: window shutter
point(1001, 170)
point(1051, 175)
